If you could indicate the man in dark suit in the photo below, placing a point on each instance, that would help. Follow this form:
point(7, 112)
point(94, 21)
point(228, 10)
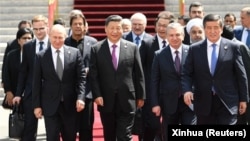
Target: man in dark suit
point(117, 81)
point(228, 33)
point(152, 122)
point(58, 87)
point(242, 32)
point(166, 98)
point(24, 86)
point(78, 39)
point(143, 40)
point(215, 67)
point(196, 10)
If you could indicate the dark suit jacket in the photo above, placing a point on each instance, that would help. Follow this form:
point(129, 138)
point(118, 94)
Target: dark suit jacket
point(186, 37)
point(144, 48)
point(48, 89)
point(11, 70)
point(117, 87)
point(166, 82)
point(26, 70)
point(238, 32)
point(84, 46)
point(11, 45)
point(229, 80)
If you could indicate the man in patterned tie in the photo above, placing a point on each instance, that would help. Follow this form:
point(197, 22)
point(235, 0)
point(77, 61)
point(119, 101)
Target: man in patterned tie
point(166, 81)
point(118, 85)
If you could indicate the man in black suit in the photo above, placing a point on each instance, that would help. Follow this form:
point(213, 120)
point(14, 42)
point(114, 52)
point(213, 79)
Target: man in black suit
point(215, 67)
point(117, 81)
point(78, 39)
point(152, 122)
point(196, 10)
point(13, 45)
point(166, 98)
point(25, 78)
point(58, 86)
point(143, 40)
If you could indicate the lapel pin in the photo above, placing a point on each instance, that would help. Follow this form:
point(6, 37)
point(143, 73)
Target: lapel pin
point(225, 47)
point(186, 50)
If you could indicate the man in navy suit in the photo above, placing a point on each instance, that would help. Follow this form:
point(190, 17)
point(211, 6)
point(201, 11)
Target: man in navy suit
point(215, 68)
point(78, 39)
point(166, 98)
point(117, 81)
point(25, 77)
point(242, 32)
point(58, 87)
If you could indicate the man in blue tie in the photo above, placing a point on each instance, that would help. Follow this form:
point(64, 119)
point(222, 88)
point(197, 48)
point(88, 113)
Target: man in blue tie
point(220, 92)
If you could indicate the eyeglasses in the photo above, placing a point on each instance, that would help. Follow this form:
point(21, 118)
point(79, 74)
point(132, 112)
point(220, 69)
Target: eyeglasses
point(26, 38)
point(38, 29)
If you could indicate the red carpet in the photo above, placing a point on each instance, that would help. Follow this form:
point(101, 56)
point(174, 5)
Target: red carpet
point(98, 133)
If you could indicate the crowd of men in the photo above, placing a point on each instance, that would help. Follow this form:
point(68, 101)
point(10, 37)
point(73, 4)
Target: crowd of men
point(190, 73)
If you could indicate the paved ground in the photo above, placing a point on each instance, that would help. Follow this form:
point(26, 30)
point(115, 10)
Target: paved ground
point(4, 115)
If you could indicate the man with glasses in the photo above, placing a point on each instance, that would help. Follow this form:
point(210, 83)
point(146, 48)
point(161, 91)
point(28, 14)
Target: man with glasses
point(24, 87)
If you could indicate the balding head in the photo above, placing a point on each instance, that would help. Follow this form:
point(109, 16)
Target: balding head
point(57, 36)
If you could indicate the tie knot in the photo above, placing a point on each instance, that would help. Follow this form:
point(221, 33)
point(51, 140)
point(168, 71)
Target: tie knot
point(213, 45)
point(57, 51)
point(176, 52)
point(137, 38)
point(164, 42)
point(41, 43)
point(114, 46)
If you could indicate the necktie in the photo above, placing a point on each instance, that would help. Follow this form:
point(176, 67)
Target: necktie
point(41, 46)
point(114, 58)
point(164, 44)
point(177, 62)
point(137, 40)
point(213, 59)
point(248, 38)
point(59, 66)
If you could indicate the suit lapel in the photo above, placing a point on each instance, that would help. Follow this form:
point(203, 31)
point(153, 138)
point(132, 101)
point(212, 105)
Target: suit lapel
point(122, 55)
point(106, 53)
point(222, 52)
point(168, 54)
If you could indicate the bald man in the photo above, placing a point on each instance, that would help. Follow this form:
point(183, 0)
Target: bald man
point(58, 88)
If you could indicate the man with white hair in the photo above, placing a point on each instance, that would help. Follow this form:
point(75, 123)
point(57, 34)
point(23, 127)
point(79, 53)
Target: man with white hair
point(195, 30)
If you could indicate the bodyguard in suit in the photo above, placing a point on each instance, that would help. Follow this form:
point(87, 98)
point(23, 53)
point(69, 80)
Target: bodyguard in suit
point(152, 122)
point(215, 67)
point(166, 98)
point(117, 81)
point(58, 86)
point(78, 39)
point(242, 33)
point(24, 86)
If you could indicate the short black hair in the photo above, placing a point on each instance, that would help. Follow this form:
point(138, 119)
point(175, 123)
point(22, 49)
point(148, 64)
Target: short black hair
point(113, 18)
point(59, 21)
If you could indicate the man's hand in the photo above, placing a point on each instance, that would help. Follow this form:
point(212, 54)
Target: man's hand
point(242, 107)
point(140, 103)
point(9, 98)
point(99, 101)
point(38, 112)
point(156, 110)
point(80, 105)
point(16, 99)
point(188, 98)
